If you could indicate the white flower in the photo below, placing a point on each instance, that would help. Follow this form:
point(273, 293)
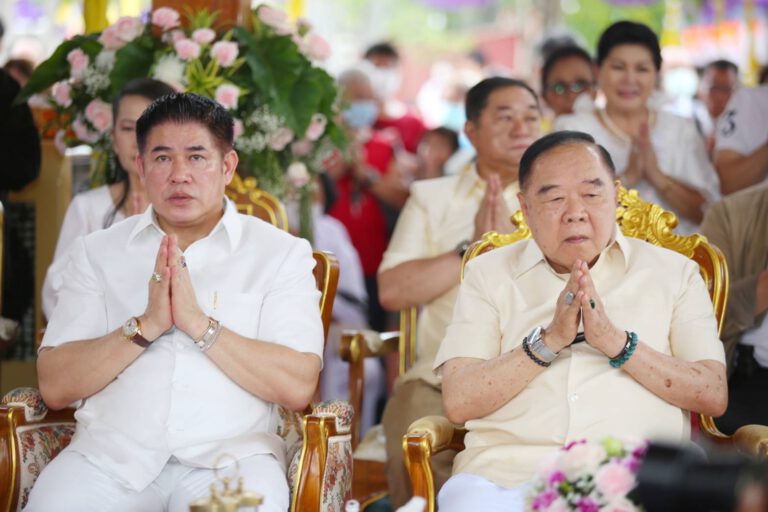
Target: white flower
point(581, 459)
point(105, 60)
point(95, 80)
point(298, 175)
point(169, 69)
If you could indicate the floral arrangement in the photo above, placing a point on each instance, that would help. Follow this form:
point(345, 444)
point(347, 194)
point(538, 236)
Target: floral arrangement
point(266, 76)
point(588, 477)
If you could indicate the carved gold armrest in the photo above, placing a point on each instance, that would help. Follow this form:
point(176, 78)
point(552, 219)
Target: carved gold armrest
point(752, 440)
point(356, 345)
point(426, 437)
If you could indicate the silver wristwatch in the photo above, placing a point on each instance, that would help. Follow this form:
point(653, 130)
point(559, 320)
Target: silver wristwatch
point(537, 346)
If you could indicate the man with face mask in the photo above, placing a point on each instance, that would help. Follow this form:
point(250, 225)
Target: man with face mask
point(381, 62)
point(422, 264)
point(368, 183)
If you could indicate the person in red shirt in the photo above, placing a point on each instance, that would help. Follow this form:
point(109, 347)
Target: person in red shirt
point(369, 184)
point(382, 65)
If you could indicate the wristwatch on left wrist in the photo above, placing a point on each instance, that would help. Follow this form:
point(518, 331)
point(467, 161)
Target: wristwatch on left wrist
point(132, 332)
point(462, 248)
point(536, 343)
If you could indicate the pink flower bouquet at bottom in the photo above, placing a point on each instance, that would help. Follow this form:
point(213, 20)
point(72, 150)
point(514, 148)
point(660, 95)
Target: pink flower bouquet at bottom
point(587, 476)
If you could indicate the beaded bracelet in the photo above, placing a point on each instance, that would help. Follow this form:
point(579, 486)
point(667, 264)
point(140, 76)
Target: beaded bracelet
point(533, 357)
point(626, 352)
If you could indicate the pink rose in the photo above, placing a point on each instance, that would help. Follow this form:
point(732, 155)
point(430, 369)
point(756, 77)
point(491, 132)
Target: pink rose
point(301, 147)
point(78, 62)
point(227, 95)
point(83, 132)
point(203, 35)
point(176, 35)
point(280, 139)
point(559, 505)
point(165, 18)
point(276, 19)
point(317, 47)
point(187, 49)
point(581, 459)
point(61, 94)
point(298, 175)
point(237, 128)
point(316, 127)
point(614, 480)
point(128, 28)
point(225, 53)
point(99, 114)
point(110, 40)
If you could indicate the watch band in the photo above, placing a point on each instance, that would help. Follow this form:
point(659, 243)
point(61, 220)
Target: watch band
point(538, 347)
point(138, 337)
point(462, 248)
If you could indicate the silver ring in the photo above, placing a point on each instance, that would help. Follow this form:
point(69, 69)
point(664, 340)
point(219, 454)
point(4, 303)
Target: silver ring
point(156, 277)
point(183, 262)
point(569, 298)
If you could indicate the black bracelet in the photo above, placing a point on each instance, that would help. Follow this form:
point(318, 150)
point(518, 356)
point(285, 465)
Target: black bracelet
point(533, 357)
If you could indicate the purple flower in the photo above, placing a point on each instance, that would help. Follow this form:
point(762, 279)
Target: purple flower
point(544, 500)
point(556, 479)
point(587, 504)
point(574, 443)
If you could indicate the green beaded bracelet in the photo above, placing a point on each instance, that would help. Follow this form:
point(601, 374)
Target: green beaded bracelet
point(626, 352)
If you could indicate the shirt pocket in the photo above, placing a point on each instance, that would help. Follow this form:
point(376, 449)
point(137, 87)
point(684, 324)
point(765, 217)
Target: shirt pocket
point(237, 311)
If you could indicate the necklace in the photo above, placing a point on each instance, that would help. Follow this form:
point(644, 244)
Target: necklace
point(612, 127)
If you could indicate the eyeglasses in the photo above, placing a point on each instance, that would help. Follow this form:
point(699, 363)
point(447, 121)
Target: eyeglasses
point(576, 87)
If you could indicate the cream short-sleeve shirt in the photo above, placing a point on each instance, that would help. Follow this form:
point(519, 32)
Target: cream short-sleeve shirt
point(654, 292)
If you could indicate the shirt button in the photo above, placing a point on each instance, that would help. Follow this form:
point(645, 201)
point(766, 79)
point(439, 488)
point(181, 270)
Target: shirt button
point(574, 397)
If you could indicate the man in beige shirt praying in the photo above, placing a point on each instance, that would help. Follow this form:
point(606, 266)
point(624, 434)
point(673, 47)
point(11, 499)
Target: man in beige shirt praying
point(422, 264)
point(512, 369)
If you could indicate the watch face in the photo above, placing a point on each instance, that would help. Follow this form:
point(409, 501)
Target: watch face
point(130, 328)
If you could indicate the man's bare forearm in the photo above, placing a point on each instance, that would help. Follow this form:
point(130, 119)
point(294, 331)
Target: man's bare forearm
point(739, 171)
point(79, 369)
point(694, 386)
point(418, 282)
point(272, 372)
point(473, 388)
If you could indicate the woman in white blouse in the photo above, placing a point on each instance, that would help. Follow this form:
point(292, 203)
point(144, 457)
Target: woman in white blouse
point(124, 196)
point(658, 153)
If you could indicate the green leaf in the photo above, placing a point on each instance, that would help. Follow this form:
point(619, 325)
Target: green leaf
point(56, 67)
point(134, 60)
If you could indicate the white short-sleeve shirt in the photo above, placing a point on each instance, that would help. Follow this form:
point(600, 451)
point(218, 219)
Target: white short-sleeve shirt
point(743, 127)
point(173, 400)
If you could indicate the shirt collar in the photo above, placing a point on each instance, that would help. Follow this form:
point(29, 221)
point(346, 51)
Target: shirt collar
point(533, 256)
point(230, 222)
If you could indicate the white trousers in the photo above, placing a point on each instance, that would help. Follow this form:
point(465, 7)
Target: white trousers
point(465, 492)
point(70, 483)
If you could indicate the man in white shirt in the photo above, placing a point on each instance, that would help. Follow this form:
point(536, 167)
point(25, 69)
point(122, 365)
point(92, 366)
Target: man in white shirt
point(741, 140)
point(179, 332)
point(422, 264)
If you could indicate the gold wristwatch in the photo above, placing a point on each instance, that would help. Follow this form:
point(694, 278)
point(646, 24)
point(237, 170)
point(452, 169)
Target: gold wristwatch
point(132, 332)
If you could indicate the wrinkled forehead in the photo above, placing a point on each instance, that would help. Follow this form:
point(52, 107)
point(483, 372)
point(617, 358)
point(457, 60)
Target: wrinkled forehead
point(567, 166)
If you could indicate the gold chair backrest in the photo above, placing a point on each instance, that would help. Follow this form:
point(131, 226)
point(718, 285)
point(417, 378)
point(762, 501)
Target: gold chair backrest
point(251, 200)
point(650, 222)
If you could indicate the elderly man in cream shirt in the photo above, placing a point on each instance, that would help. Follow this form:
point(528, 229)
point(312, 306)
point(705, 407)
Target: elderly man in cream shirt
point(179, 332)
point(421, 266)
point(512, 370)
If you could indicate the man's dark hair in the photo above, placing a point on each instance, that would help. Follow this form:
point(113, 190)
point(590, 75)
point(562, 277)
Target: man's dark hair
point(722, 65)
point(2, 29)
point(450, 136)
point(384, 48)
point(477, 96)
point(628, 32)
point(763, 76)
point(554, 140)
point(562, 53)
point(180, 108)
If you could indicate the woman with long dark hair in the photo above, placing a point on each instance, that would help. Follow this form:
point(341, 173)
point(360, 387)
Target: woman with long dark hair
point(122, 196)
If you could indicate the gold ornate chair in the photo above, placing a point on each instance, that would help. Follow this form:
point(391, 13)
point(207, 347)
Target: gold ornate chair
point(636, 218)
point(318, 441)
point(251, 200)
point(370, 481)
